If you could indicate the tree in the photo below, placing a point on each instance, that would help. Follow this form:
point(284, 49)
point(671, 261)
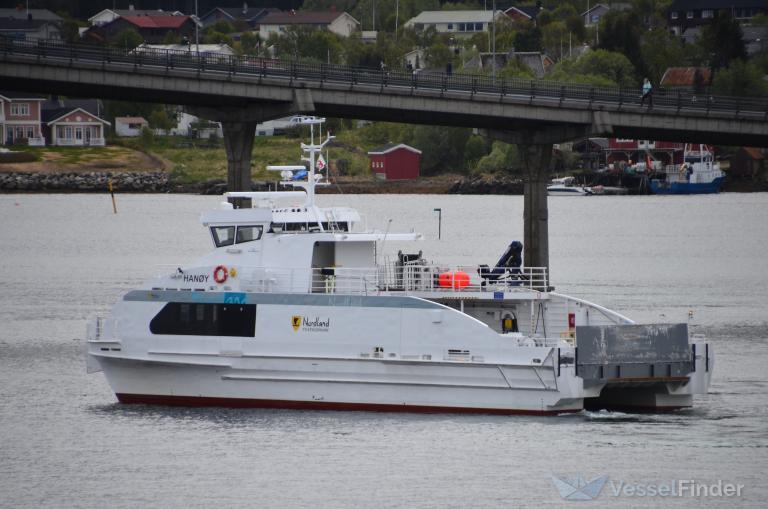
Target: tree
point(438, 55)
point(476, 148)
point(127, 38)
point(214, 37)
point(159, 119)
point(620, 32)
point(249, 43)
point(723, 40)
point(221, 26)
point(496, 160)
point(740, 79)
point(146, 138)
point(554, 35)
point(660, 50)
point(516, 69)
point(442, 148)
point(171, 38)
point(598, 67)
point(528, 36)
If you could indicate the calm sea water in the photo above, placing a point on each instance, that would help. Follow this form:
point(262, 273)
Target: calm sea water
point(65, 442)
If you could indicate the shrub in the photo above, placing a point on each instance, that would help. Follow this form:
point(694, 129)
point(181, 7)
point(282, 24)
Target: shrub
point(17, 157)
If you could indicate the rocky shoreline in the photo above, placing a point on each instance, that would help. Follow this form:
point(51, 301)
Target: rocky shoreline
point(160, 182)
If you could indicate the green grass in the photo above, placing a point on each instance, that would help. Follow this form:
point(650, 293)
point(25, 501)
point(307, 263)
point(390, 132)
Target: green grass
point(199, 160)
point(81, 156)
point(192, 160)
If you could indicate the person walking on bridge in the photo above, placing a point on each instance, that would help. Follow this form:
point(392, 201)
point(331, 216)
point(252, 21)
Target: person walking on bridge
point(647, 93)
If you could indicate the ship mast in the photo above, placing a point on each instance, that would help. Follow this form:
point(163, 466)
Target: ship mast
point(312, 150)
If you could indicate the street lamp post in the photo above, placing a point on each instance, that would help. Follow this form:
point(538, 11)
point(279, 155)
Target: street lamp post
point(493, 41)
point(197, 32)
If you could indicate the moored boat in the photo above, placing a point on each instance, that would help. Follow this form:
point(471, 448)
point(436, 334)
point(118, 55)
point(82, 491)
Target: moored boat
point(297, 307)
point(698, 174)
point(566, 186)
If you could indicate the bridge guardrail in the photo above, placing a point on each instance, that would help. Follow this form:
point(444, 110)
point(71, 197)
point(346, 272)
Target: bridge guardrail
point(297, 70)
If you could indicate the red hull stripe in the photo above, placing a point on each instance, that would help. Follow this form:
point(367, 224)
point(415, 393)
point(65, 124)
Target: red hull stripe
point(195, 401)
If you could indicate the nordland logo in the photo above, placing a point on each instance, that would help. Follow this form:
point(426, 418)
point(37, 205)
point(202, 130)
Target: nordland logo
point(577, 488)
point(296, 322)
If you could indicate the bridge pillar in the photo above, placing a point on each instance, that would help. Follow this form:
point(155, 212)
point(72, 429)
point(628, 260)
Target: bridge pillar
point(535, 153)
point(238, 124)
point(535, 160)
point(238, 142)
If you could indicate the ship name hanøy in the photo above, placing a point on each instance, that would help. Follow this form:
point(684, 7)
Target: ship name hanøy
point(195, 278)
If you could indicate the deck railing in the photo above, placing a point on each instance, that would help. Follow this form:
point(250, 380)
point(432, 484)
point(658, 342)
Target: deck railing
point(557, 93)
point(391, 278)
point(407, 279)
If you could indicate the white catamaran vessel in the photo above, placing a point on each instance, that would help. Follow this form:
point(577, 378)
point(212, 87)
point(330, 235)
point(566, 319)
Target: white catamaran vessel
point(292, 310)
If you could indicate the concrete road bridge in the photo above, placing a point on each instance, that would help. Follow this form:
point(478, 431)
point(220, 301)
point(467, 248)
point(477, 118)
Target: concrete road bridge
point(240, 92)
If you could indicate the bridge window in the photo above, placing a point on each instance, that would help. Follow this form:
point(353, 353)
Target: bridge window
point(248, 233)
point(195, 319)
point(223, 235)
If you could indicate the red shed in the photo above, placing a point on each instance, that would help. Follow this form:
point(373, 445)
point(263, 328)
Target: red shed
point(395, 162)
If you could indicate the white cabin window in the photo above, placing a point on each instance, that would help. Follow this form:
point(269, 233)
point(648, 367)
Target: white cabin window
point(223, 235)
point(248, 233)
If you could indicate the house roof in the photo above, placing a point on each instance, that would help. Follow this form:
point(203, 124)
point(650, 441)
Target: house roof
point(684, 76)
point(23, 24)
point(51, 116)
point(156, 21)
point(453, 17)
point(301, 18)
point(145, 12)
point(131, 120)
point(690, 5)
point(529, 11)
point(137, 12)
point(221, 48)
point(248, 14)
point(391, 147)
point(92, 106)
point(754, 153)
point(596, 6)
point(37, 14)
point(12, 96)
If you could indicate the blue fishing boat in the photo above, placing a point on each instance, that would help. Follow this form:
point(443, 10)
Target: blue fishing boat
point(699, 174)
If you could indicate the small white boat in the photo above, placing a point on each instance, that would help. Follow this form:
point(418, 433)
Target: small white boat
point(297, 308)
point(566, 186)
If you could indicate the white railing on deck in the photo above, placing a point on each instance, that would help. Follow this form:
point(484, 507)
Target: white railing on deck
point(394, 278)
point(388, 278)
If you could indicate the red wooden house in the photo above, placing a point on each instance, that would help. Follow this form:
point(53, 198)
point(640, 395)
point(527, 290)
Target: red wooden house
point(395, 162)
point(667, 152)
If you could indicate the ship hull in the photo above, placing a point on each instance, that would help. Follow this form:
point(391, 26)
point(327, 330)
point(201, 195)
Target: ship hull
point(335, 384)
point(660, 187)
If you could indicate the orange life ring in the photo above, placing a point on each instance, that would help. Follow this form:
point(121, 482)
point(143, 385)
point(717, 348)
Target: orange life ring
point(220, 274)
